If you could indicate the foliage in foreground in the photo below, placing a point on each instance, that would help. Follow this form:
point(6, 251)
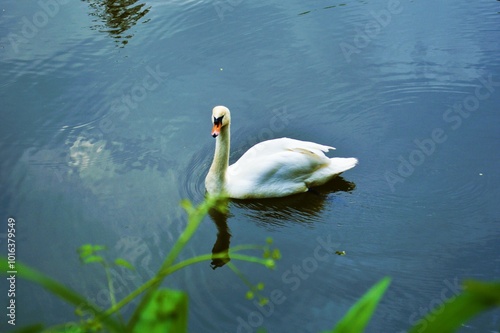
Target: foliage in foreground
point(160, 309)
point(477, 297)
point(165, 310)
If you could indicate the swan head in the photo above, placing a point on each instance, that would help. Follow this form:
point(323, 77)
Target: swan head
point(220, 117)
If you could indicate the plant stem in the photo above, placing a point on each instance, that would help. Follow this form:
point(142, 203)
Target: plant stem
point(154, 280)
point(112, 295)
point(240, 275)
point(248, 247)
point(169, 270)
point(110, 285)
point(195, 216)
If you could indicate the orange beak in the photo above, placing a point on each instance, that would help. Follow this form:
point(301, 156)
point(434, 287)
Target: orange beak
point(216, 129)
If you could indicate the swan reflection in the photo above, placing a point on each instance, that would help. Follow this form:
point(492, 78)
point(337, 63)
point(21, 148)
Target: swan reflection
point(221, 245)
point(300, 208)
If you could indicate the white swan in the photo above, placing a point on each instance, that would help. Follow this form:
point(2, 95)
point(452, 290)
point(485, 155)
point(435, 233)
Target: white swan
point(273, 168)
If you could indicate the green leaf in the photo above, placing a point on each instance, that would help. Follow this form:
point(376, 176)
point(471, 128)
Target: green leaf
point(485, 290)
point(93, 258)
point(85, 250)
point(166, 311)
point(96, 248)
point(477, 297)
point(124, 263)
point(88, 250)
point(361, 312)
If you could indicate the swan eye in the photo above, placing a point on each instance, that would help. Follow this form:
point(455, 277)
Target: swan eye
point(218, 121)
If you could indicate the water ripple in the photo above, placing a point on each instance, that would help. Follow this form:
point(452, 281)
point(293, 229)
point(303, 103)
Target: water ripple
point(193, 185)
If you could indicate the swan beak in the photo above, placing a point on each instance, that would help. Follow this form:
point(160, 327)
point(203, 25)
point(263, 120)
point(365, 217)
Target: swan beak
point(216, 129)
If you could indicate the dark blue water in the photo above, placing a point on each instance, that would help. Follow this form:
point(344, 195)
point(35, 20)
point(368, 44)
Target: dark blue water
point(105, 127)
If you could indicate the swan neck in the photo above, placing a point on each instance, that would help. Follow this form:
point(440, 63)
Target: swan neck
point(221, 158)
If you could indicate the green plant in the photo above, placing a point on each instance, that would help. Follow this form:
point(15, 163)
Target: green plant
point(360, 313)
point(163, 310)
point(160, 309)
point(477, 297)
point(91, 254)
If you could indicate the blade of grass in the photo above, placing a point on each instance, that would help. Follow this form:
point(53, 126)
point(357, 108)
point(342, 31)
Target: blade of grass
point(361, 312)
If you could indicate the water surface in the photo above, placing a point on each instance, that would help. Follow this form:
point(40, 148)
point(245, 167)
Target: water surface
point(105, 127)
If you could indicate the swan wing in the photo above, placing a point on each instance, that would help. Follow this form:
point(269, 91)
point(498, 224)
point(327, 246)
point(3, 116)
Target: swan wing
point(280, 167)
point(271, 147)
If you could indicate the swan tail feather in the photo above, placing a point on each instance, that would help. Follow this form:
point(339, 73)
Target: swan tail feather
point(341, 164)
point(336, 166)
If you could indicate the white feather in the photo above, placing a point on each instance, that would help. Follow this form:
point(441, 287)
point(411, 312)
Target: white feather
point(272, 168)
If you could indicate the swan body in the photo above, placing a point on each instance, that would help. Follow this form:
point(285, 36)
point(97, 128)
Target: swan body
point(273, 168)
